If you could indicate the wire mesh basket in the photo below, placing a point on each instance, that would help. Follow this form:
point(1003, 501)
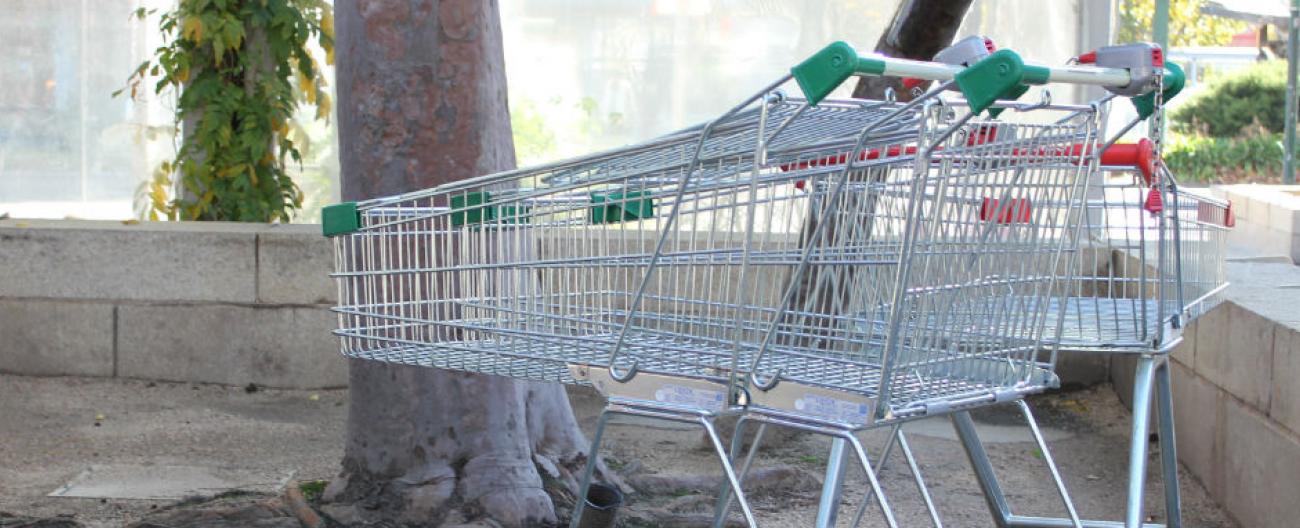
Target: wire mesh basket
point(526, 273)
point(1150, 261)
point(930, 286)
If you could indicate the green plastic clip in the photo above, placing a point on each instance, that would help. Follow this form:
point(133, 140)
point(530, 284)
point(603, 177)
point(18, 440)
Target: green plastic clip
point(1173, 82)
point(994, 77)
point(464, 211)
point(617, 207)
point(512, 214)
point(340, 219)
point(821, 73)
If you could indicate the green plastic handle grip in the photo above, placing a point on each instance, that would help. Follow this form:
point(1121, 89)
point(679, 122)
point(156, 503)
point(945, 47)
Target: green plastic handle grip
point(984, 82)
point(821, 73)
point(1173, 82)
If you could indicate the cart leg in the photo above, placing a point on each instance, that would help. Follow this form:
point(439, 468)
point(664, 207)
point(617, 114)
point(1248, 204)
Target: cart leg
point(894, 434)
point(753, 451)
point(1137, 456)
point(732, 479)
point(920, 481)
point(979, 461)
point(590, 468)
point(871, 477)
point(1168, 446)
point(724, 495)
point(1051, 464)
point(828, 505)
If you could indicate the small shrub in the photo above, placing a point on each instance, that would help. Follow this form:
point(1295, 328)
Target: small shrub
point(1255, 96)
point(1196, 158)
point(312, 489)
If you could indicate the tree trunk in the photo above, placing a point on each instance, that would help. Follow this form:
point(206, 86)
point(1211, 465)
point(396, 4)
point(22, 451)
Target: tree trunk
point(422, 101)
point(920, 29)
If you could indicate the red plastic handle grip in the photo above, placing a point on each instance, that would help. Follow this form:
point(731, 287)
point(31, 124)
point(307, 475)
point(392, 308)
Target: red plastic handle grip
point(1140, 155)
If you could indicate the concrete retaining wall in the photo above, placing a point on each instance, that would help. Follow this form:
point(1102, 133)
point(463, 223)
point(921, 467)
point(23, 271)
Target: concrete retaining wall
point(1236, 382)
point(226, 303)
point(215, 302)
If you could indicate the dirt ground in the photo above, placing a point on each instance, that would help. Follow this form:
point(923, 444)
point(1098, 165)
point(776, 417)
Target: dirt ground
point(53, 428)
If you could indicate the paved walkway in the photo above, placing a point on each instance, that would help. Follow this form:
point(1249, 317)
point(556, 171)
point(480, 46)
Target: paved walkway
point(53, 429)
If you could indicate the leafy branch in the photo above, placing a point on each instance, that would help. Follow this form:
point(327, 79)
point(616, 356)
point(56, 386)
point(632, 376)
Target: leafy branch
point(241, 67)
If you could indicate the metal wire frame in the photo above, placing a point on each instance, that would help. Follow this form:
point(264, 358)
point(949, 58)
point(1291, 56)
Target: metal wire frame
point(1035, 169)
point(1142, 276)
point(517, 281)
point(537, 287)
point(951, 314)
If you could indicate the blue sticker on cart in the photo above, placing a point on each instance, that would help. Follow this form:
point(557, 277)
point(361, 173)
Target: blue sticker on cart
point(690, 396)
point(831, 408)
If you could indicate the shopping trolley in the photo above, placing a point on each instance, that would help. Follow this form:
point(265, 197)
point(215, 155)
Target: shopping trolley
point(1091, 314)
point(1150, 261)
point(640, 271)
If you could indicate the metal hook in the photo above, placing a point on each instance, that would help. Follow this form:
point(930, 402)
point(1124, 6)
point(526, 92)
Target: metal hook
point(623, 378)
point(765, 385)
point(890, 95)
point(1044, 101)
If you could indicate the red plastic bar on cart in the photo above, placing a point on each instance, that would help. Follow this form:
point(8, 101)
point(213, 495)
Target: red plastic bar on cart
point(1015, 210)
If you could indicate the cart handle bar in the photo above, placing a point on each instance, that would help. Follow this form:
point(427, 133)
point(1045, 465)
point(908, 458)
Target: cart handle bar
point(1139, 155)
point(982, 83)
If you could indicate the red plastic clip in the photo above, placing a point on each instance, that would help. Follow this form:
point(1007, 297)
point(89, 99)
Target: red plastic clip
point(1211, 213)
point(983, 134)
point(1155, 202)
point(1017, 210)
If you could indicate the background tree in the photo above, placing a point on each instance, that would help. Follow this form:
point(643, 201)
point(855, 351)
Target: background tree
point(241, 67)
point(919, 29)
point(422, 101)
point(1187, 26)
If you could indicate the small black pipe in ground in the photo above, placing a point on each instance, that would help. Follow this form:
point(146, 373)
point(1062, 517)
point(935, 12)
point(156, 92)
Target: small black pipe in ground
point(601, 511)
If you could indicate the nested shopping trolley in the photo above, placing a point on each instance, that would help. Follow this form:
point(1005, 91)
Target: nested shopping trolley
point(1150, 261)
point(829, 265)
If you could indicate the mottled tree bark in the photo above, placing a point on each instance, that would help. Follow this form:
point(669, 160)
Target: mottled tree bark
point(920, 29)
point(422, 101)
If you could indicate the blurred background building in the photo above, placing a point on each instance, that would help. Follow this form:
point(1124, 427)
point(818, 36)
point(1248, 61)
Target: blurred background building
point(583, 74)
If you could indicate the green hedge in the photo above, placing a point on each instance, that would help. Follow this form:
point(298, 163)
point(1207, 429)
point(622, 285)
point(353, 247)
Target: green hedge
point(1234, 103)
point(1207, 159)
